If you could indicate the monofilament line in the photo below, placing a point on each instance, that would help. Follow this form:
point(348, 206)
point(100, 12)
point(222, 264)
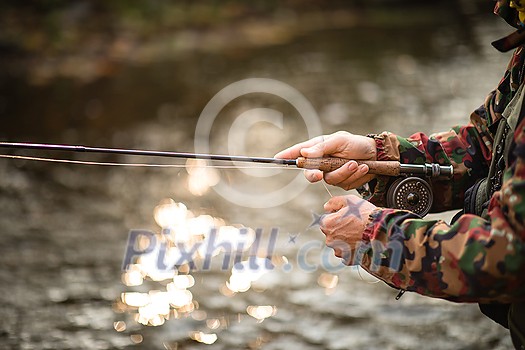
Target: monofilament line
point(139, 165)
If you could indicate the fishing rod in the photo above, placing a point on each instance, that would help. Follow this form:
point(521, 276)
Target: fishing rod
point(411, 189)
point(326, 164)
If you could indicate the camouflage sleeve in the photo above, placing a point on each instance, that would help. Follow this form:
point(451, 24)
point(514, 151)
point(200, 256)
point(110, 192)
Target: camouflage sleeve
point(462, 146)
point(473, 260)
point(467, 148)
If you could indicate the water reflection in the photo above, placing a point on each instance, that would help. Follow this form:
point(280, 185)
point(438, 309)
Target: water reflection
point(171, 298)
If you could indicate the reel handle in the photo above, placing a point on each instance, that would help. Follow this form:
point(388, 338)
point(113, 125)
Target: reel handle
point(327, 164)
point(387, 167)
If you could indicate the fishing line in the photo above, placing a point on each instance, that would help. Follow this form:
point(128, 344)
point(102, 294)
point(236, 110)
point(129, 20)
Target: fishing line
point(358, 268)
point(138, 165)
point(150, 165)
point(327, 190)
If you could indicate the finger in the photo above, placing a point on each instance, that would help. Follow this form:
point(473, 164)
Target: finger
point(358, 210)
point(295, 151)
point(355, 181)
point(329, 146)
point(335, 204)
point(349, 176)
point(344, 255)
point(313, 175)
point(341, 249)
point(342, 144)
point(327, 223)
point(339, 175)
point(353, 199)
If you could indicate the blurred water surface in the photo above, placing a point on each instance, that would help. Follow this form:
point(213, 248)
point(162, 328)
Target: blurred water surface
point(64, 227)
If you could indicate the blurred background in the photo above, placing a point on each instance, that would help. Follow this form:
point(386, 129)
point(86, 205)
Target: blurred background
point(138, 74)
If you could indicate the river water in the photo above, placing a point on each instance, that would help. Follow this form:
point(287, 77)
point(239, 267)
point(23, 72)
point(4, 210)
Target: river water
point(65, 227)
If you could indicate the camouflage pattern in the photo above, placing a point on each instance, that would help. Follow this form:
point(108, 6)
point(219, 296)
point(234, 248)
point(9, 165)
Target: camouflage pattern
point(477, 259)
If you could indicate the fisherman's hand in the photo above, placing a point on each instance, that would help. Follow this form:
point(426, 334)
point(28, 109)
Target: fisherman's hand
point(344, 223)
point(341, 144)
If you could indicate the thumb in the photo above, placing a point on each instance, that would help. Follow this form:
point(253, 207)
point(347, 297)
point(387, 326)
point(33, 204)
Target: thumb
point(324, 148)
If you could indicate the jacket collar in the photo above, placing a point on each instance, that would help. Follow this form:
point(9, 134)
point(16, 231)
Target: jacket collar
point(511, 11)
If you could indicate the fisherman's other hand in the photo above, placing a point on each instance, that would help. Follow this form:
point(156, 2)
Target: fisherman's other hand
point(341, 144)
point(344, 222)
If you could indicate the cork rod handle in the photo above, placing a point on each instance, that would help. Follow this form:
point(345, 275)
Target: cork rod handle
point(327, 164)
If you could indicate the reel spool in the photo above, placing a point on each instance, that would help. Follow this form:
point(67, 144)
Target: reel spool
point(410, 193)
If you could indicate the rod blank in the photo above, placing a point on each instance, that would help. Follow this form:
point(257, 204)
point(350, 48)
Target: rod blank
point(327, 164)
point(136, 152)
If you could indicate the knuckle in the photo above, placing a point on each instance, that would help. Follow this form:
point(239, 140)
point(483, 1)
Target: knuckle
point(329, 178)
point(334, 178)
point(331, 201)
point(326, 226)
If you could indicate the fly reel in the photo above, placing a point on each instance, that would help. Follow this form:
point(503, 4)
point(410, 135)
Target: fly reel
point(410, 193)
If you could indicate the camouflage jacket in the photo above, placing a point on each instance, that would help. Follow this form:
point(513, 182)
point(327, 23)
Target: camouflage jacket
point(477, 259)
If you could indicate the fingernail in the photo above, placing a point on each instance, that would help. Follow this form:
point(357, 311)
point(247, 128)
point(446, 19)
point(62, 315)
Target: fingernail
point(363, 168)
point(352, 166)
point(313, 177)
point(304, 152)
